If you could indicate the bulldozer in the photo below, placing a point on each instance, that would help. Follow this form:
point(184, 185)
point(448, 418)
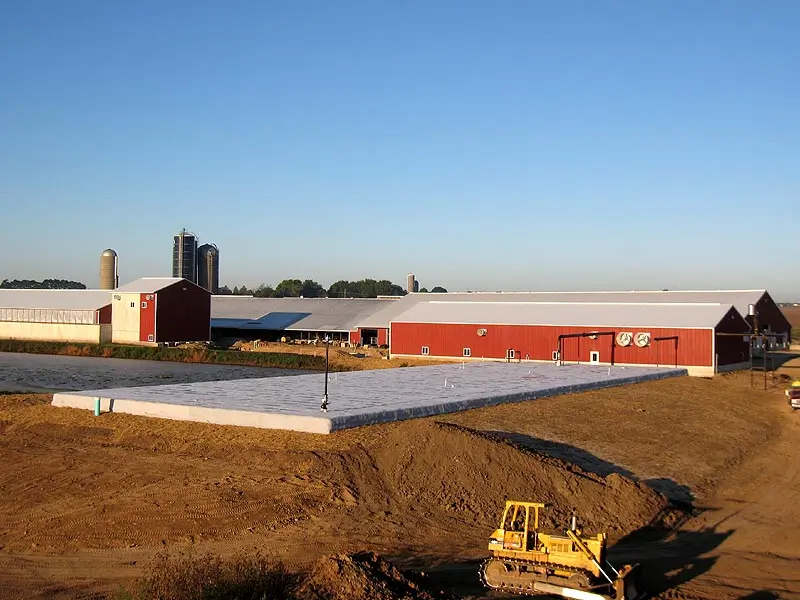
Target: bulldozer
point(526, 559)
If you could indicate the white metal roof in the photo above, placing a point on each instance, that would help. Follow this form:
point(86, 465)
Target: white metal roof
point(566, 314)
point(55, 299)
point(311, 314)
point(149, 285)
point(738, 298)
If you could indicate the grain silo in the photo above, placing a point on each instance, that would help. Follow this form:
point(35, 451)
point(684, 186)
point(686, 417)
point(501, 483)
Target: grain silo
point(208, 267)
point(109, 274)
point(184, 256)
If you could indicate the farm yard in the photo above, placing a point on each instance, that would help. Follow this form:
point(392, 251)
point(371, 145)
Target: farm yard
point(688, 476)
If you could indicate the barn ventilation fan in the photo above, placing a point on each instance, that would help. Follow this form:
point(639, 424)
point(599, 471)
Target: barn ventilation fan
point(482, 332)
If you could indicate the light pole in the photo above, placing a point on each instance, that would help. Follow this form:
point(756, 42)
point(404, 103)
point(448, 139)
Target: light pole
point(324, 406)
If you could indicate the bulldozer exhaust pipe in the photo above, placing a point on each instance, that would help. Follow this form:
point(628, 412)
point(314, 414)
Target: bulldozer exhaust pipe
point(574, 523)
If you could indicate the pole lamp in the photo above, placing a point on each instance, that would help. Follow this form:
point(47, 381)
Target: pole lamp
point(324, 406)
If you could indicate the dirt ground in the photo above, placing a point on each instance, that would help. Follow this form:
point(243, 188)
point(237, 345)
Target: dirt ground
point(88, 501)
point(341, 358)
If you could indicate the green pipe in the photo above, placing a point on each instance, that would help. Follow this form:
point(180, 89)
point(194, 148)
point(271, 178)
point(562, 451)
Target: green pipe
point(97, 407)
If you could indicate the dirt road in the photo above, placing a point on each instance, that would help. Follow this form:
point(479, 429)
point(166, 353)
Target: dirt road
point(88, 501)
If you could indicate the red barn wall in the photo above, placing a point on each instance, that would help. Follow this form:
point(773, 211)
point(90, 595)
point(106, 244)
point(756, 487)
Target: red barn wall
point(147, 317)
point(184, 313)
point(104, 315)
point(537, 342)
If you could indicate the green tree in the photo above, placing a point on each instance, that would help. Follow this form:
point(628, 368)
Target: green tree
point(423, 290)
point(289, 288)
point(264, 291)
point(340, 289)
point(311, 289)
point(438, 290)
point(46, 284)
point(224, 291)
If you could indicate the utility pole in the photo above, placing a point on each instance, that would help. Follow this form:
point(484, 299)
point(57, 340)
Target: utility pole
point(324, 406)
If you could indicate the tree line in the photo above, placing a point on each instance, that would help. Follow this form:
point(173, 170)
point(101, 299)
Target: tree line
point(46, 284)
point(294, 288)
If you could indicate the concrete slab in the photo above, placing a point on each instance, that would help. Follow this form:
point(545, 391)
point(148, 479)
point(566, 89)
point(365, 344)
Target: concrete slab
point(358, 398)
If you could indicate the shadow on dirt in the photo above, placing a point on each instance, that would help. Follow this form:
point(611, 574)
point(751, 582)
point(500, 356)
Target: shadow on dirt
point(669, 557)
point(761, 595)
point(593, 464)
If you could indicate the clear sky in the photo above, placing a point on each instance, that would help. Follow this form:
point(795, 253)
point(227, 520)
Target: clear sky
point(515, 145)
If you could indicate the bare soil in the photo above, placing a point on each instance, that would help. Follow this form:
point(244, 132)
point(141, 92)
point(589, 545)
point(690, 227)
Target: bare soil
point(89, 501)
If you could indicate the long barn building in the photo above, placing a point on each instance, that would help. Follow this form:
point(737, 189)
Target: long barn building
point(686, 335)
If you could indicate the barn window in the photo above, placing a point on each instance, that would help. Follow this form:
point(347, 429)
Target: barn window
point(510, 353)
point(144, 304)
point(151, 337)
point(426, 350)
point(467, 352)
point(594, 356)
point(133, 304)
point(555, 354)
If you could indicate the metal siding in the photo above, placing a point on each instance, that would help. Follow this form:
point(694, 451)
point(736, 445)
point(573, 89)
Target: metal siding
point(732, 349)
point(383, 336)
point(183, 313)
point(770, 316)
point(147, 317)
point(105, 315)
point(537, 342)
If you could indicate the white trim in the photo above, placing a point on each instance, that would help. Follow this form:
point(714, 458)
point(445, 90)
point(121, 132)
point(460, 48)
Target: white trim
point(588, 327)
point(561, 303)
point(466, 353)
point(424, 348)
point(592, 354)
point(694, 370)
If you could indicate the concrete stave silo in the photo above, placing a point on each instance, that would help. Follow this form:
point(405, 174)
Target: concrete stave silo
point(109, 273)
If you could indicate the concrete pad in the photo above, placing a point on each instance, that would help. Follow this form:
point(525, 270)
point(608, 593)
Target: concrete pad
point(358, 398)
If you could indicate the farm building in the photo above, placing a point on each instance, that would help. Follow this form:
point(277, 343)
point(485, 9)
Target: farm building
point(770, 317)
point(299, 318)
point(156, 310)
point(55, 315)
point(660, 334)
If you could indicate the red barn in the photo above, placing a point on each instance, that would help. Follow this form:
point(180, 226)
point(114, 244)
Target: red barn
point(619, 333)
point(154, 310)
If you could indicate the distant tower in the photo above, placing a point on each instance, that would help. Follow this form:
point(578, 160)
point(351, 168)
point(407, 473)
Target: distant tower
point(208, 267)
point(109, 274)
point(413, 284)
point(184, 256)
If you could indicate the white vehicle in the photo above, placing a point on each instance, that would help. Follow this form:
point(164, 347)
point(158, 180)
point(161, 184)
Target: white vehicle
point(793, 393)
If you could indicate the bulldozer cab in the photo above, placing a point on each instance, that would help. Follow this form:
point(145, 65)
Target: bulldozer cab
point(520, 523)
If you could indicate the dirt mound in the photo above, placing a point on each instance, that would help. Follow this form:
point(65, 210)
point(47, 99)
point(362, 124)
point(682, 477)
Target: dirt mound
point(362, 576)
point(445, 467)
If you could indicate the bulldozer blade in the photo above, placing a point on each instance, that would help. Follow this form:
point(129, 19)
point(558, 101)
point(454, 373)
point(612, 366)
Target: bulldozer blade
point(628, 585)
point(625, 587)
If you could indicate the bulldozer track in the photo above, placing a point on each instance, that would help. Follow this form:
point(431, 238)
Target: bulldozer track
point(516, 561)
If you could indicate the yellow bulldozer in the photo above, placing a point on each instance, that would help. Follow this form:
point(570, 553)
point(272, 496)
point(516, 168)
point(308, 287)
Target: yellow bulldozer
point(525, 559)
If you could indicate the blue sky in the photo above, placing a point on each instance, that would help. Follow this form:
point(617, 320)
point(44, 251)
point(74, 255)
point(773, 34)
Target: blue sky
point(482, 145)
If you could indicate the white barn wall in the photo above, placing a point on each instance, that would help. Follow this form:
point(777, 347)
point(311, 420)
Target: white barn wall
point(53, 332)
point(125, 318)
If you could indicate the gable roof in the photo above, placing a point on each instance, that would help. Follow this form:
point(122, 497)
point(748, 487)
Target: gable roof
point(292, 314)
point(151, 285)
point(738, 298)
point(55, 299)
point(566, 314)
